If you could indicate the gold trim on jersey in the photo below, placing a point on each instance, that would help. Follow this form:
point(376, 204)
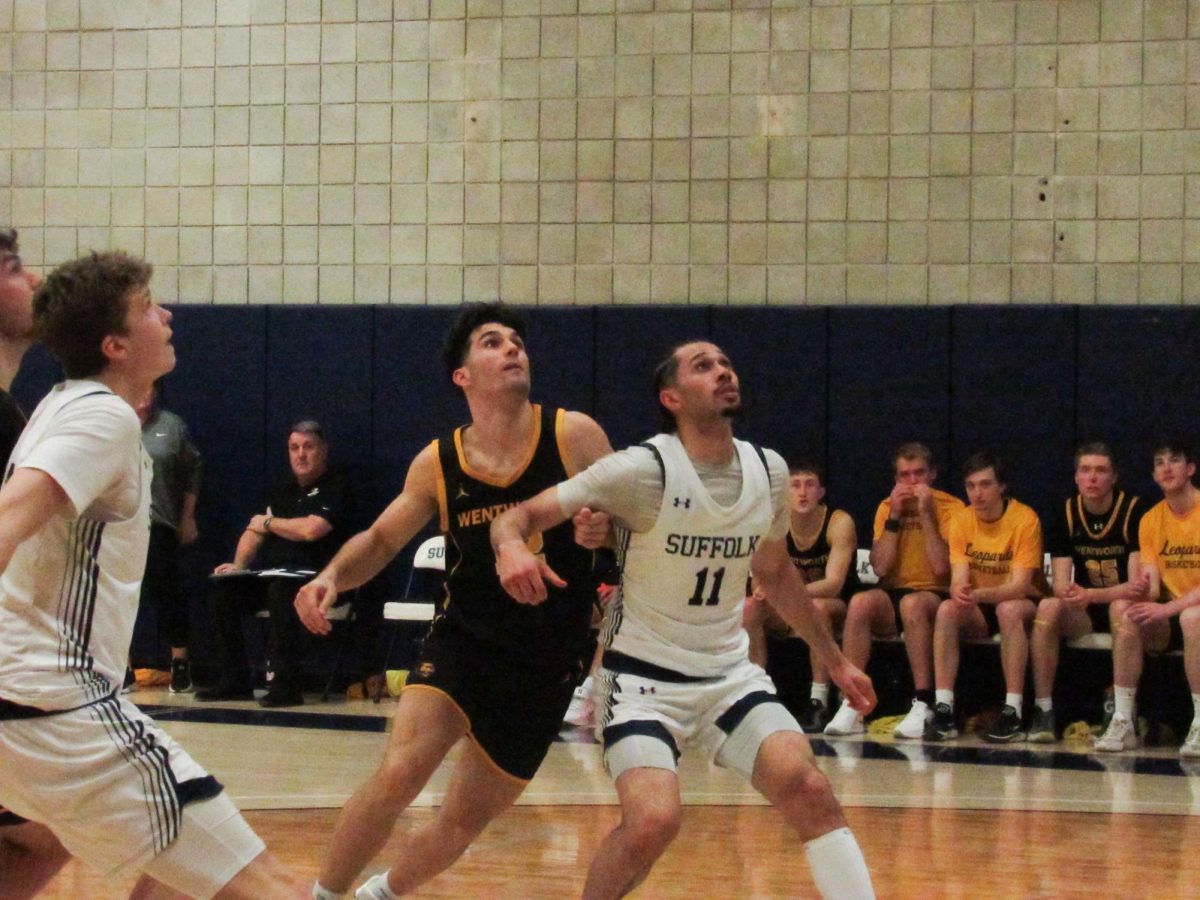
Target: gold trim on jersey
point(826, 520)
point(450, 538)
point(560, 440)
point(468, 469)
point(443, 502)
point(1076, 507)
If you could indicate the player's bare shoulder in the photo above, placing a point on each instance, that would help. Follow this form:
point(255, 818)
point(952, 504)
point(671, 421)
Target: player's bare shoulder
point(581, 441)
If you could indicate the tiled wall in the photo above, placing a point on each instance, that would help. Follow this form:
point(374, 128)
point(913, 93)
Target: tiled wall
point(599, 151)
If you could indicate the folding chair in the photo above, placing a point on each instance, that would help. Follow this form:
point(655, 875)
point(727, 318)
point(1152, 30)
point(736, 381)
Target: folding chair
point(431, 555)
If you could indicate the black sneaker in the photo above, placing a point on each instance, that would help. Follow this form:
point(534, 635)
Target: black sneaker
point(181, 676)
point(1042, 727)
point(941, 727)
point(1007, 728)
point(814, 716)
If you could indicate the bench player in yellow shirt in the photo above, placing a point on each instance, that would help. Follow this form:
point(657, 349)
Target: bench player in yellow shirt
point(1169, 539)
point(995, 579)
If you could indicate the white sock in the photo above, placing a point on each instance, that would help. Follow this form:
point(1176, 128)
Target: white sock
point(323, 893)
point(820, 692)
point(1045, 704)
point(1123, 701)
point(838, 866)
point(376, 888)
point(941, 696)
point(1014, 700)
point(588, 686)
point(1196, 705)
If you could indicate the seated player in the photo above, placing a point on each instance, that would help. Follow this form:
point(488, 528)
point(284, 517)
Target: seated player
point(910, 556)
point(1169, 546)
point(1093, 553)
point(822, 544)
point(995, 577)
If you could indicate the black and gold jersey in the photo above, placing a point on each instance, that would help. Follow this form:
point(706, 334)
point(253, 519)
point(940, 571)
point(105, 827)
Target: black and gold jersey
point(554, 632)
point(812, 560)
point(1099, 545)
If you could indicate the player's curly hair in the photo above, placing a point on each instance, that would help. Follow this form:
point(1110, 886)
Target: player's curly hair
point(84, 301)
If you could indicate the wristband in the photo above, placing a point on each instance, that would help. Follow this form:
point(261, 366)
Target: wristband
point(892, 525)
point(267, 524)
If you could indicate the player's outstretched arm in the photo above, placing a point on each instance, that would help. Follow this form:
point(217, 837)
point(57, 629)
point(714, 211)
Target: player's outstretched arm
point(363, 556)
point(783, 587)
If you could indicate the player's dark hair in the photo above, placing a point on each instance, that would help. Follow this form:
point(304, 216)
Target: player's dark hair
point(810, 466)
point(985, 459)
point(1096, 448)
point(666, 373)
point(458, 338)
point(1174, 445)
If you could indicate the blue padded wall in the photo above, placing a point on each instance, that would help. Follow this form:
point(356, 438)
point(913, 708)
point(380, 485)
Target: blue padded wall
point(219, 388)
point(1013, 391)
point(781, 364)
point(562, 356)
point(1136, 382)
point(889, 382)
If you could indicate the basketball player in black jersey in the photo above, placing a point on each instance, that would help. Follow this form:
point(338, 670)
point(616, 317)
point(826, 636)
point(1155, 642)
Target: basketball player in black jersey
point(822, 544)
point(497, 671)
point(30, 854)
point(1093, 547)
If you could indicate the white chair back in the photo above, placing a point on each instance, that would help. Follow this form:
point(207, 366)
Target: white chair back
point(431, 554)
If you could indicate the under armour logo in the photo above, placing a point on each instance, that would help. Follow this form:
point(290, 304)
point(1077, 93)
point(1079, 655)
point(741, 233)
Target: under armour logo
point(685, 502)
point(646, 690)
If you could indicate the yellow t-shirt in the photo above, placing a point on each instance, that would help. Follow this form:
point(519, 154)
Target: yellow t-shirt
point(911, 569)
point(1172, 545)
point(994, 549)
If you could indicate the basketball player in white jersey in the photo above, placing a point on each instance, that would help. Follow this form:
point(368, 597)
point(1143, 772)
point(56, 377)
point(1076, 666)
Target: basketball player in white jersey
point(74, 528)
point(695, 509)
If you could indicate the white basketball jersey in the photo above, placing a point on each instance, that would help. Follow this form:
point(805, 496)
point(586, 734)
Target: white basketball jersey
point(69, 596)
point(683, 582)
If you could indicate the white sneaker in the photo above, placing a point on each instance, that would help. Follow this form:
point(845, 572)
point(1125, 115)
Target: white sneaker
point(581, 712)
point(913, 726)
point(1122, 735)
point(846, 721)
point(375, 888)
point(1191, 745)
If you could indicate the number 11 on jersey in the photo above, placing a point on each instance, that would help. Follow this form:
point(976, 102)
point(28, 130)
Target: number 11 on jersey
point(697, 598)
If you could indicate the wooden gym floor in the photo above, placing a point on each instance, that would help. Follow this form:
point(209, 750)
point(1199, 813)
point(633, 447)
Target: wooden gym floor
point(958, 820)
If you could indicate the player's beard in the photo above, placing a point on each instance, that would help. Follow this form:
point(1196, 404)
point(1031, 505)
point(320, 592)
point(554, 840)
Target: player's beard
point(732, 412)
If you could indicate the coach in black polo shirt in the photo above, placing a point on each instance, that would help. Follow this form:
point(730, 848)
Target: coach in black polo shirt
point(303, 527)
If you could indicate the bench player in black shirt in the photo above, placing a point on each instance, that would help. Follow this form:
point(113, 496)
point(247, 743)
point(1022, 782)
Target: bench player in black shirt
point(1093, 546)
point(496, 671)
